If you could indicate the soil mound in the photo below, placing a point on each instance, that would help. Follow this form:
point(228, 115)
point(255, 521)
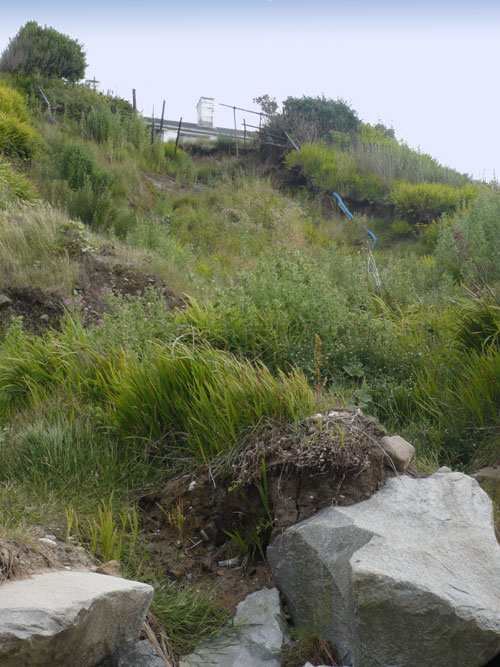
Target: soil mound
point(285, 474)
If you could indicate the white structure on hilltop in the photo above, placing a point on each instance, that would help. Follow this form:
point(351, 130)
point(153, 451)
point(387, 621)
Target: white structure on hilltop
point(205, 109)
point(204, 129)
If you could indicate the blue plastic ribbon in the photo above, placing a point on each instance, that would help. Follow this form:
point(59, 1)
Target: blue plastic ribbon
point(348, 213)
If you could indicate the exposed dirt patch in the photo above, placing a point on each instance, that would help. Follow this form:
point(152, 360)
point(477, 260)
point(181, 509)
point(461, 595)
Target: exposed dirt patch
point(19, 560)
point(39, 310)
point(97, 274)
point(284, 475)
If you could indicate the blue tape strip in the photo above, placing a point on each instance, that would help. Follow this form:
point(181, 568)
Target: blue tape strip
point(347, 212)
point(343, 206)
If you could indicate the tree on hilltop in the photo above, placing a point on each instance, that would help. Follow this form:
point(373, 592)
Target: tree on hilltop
point(309, 118)
point(44, 51)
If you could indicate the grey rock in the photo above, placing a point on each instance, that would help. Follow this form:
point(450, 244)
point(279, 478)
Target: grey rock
point(46, 540)
point(257, 641)
point(4, 301)
point(489, 479)
point(141, 654)
point(399, 451)
point(69, 618)
point(409, 577)
point(443, 469)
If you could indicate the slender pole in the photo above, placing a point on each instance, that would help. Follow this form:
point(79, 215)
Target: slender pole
point(245, 132)
point(235, 132)
point(162, 117)
point(177, 139)
point(153, 126)
point(134, 101)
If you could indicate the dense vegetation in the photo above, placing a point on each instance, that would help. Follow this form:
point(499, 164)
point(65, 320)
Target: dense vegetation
point(37, 51)
point(287, 310)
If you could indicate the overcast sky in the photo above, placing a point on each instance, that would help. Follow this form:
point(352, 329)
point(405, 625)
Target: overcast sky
point(429, 69)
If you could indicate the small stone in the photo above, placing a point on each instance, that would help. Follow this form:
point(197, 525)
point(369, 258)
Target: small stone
point(5, 301)
point(44, 317)
point(44, 540)
point(316, 418)
point(443, 469)
point(399, 451)
point(111, 568)
point(51, 537)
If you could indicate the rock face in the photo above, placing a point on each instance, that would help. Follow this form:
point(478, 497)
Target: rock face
point(489, 479)
point(257, 642)
point(69, 618)
point(409, 577)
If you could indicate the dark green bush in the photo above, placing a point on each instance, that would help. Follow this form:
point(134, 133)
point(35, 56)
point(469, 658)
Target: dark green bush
point(310, 118)
point(78, 163)
point(44, 51)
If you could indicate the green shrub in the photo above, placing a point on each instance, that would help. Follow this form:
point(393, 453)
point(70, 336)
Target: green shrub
point(78, 163)
point(12, 104)
point(89, 196)
point(99, 123)
point(179, 163)
point(17, 138)
point(402, 229)
point(424, 202)
point(327, 168)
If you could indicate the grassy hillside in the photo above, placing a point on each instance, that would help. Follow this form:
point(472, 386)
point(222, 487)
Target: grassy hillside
point(185, 302)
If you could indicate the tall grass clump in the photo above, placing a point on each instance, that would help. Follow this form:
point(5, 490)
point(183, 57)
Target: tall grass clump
point(32, 248)
point(14, 186)
point(468, 244)
point(65, 363)
point(63, 455)
point(201, 402)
